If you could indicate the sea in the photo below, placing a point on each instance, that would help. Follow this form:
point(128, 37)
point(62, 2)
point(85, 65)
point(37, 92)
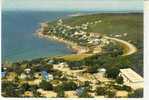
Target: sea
point(19, 41)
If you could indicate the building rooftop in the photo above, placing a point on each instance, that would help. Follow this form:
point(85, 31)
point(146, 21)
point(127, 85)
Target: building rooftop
point(131, 75)
point(3, 74)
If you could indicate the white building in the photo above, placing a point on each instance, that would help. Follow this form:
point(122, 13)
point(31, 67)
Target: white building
point(50, 76)
point(23, 76)
point(27, 70)
point(60, 65)
point(79, 33)
point(131, 78)
point(102, 70)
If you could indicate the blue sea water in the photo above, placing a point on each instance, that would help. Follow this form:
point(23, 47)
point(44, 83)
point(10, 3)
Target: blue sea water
point(19, 41)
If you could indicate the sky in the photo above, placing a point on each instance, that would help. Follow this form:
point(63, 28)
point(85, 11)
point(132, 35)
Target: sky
point(76, 5)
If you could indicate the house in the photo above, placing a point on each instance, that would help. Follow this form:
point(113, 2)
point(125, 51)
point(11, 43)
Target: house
point(97, 49)
point(125, 34)
point(95, 35)
point(11, 76)
point(48, 94)
point(50, 77)
point(101, 71)
point(122, 94)
point(4, 68)
point(46, 76)
point(28, 94)
point(38, 75)
point(60, 65)
point(51, 61)
point(40, 90)
point(3, 74)
point(34, 82)
point(60, 22)
point(118, 35)
point(71, 94)
point(79, 33)
point(80, 90)
point(27, 70)
point(23, 76)
point(99, 21)
point(131, 78)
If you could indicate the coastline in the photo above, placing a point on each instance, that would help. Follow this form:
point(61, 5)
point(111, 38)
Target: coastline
point(77, 49)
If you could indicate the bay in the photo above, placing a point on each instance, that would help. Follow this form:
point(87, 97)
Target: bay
point(19, 41)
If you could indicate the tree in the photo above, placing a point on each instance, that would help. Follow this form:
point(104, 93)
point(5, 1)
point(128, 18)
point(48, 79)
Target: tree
point(101, 91)
point(26, 87)
point(111, 93)
point(136, 94)
point(46, 85)
point(69, 86)
point(112, 72)
point(105, 91)
point(9, 89)
point(119, 80)
point(113, 49)
point(92, 69)
point(84, 93)
point(60, 91)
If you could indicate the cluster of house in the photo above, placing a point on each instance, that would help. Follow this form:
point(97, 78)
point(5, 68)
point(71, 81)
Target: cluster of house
point(119, 35)
point(78, 32)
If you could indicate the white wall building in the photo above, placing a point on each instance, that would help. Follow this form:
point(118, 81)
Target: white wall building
point(131, 78)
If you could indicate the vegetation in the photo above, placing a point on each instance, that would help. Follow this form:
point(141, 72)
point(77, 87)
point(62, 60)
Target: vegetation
point(105, 91)
point(101, 91)
point(18, 80)
point(46, 85)
point(68, 86)
point(113, 24)
point(136, 94)
point(84, 93)
point(119, 80)
point(75, 57)
point(112, 73)
point(60, 91)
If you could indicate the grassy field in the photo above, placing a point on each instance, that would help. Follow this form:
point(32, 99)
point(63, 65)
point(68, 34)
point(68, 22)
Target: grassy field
point(75, 57)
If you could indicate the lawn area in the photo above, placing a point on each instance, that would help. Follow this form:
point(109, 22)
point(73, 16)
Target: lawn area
point(75, 57)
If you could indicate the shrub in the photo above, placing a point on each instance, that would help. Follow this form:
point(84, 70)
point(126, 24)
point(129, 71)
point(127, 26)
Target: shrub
point(112, 73)
point(46, 85)
point(119, 80)
point(101, 91)
point(69, 85)
point(60, 91)
point(136, 94)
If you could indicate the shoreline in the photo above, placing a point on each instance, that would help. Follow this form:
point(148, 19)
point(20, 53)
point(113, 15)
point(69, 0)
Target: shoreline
point(77, 49)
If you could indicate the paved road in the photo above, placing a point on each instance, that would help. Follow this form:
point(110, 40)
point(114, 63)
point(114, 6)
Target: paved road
point(129, 48)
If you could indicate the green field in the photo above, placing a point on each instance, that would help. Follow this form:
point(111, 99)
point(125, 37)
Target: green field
point(75, 57)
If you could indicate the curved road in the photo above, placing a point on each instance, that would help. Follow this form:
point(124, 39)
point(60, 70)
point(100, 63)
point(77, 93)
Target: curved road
point(128, 47)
